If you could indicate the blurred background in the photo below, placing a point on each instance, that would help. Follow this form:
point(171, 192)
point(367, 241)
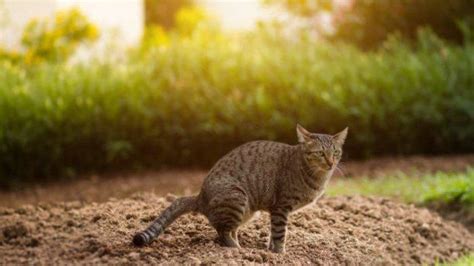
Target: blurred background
point(104, 98)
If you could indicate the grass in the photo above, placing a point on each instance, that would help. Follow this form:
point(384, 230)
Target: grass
point(467, 260)
point(440, 187)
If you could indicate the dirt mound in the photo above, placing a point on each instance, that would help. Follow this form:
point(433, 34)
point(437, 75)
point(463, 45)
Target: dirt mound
point(339, 230)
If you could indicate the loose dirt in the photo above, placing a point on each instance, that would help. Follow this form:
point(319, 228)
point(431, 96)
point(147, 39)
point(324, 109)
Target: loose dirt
point(339, 230)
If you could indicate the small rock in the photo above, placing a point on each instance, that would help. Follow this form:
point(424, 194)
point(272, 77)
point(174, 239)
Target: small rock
point(148, 218)
point(70, 223)
point(5, 211)
point(96, 218)
point(171, 197)
point(134, 255)
point(416, 258)
point(130, 216)
point(194, 261)
point(14, 231)
point(34, 242)
point(264, 256)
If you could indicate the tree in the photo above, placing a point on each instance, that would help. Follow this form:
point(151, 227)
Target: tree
point(369, 22)
point(162, 12)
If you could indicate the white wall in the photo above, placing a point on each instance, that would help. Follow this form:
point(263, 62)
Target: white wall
point(238, 14)
point(15, 14)
point(123, 17)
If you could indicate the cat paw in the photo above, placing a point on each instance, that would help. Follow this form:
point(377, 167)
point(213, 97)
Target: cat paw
point(278, 248)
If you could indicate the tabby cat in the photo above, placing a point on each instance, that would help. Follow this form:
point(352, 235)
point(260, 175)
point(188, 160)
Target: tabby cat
point(259, 175)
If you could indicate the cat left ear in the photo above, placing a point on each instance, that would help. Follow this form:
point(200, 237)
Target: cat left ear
point(340, 137)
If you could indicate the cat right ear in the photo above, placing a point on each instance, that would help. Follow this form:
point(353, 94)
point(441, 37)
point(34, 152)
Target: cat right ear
point(340, 137)
point(302, 133)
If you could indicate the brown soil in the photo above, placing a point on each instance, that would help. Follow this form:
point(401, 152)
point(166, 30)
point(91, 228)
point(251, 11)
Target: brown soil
point(339, 230)
point(460, 213)
point(98, 188)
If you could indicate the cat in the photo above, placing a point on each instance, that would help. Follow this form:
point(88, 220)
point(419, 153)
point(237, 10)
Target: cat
point(259, 175)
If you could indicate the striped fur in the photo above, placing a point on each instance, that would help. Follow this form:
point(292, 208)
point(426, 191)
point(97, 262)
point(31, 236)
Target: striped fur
point(259, 175)
point(178, 207)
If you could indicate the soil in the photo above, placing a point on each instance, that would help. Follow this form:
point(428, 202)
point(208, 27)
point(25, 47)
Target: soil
point(89, 226)
point(337, 230)
point(96, 188)
point(458, 212)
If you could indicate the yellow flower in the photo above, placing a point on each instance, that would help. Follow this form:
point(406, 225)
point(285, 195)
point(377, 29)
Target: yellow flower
point(188, 19)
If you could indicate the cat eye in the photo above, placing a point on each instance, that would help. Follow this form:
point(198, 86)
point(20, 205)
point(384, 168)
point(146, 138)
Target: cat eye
point(337, 153)
point(317, 153)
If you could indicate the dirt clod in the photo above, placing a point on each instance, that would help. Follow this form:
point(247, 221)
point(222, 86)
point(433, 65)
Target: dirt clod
point(339, 230)
point(14, 231)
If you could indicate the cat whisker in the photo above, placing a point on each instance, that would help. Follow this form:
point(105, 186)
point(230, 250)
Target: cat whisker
point(339, 169)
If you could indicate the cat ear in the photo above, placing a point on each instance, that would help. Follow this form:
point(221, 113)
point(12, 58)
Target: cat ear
point(302, 133)
point(340, 137)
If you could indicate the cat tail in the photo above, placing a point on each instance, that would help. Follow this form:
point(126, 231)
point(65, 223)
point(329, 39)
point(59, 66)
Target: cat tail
point(179, 207)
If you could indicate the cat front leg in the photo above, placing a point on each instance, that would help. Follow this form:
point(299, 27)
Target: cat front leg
point(279, 220)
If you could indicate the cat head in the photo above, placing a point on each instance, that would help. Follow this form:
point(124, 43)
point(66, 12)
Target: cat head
point(321, 151)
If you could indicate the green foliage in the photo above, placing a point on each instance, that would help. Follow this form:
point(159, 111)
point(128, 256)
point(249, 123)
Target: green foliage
point(369, 23)
point(192, 100)
point(153, 37)
point(53, 39)
point(188, 20)
point(452, 189)
point(440, 187)
point(467, 260)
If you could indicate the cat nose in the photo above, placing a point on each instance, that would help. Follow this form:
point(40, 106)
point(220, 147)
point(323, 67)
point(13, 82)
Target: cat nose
point(330, 161)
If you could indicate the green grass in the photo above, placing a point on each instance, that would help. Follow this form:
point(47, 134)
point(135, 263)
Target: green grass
point(439, 187)
point(190, 102)
point(467, 260)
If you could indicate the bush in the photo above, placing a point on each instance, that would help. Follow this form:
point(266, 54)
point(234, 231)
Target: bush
point(187, 21)
point(191, 101)
point(368, 23)
point(452, 189)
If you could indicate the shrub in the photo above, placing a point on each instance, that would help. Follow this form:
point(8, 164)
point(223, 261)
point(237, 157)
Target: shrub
point(452, 189)
point(191, 101)
point(368, 23)
point(188, 20)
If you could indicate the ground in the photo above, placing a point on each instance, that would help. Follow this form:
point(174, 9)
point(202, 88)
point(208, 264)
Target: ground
point(338, 230)
point(78, 222)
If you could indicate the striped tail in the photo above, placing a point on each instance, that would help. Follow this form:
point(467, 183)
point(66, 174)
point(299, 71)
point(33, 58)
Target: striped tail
point(179, 207)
